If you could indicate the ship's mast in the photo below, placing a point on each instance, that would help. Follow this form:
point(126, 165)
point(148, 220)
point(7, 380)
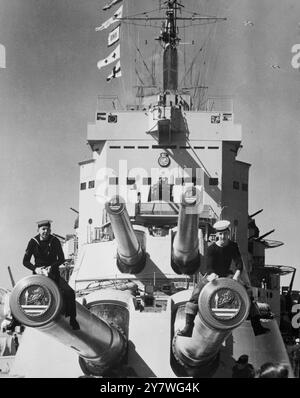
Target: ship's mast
point(169, 38)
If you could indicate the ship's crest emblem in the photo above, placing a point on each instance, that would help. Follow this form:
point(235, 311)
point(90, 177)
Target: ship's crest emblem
point(35, 300)
point(225, 304)
point(164, 160)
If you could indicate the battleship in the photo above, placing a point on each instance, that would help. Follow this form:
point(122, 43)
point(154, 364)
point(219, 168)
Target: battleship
point(161, 173)
point(9, 339)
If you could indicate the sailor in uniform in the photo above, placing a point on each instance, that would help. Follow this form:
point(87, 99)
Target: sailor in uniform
point(220, 255)
point(48, 256)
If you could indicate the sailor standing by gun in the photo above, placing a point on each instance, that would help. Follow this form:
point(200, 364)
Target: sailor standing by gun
point(48, 256)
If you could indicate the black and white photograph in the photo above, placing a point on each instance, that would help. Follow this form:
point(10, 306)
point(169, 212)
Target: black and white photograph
point(150, 191)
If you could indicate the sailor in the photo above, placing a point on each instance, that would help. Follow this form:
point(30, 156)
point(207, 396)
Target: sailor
point(10, 322)
point(270, 370)
point(219, 257)
point(243, 369)
point(16, 341)
point(48, 256)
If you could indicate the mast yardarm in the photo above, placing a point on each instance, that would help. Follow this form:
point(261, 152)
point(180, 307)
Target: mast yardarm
point(170, 40)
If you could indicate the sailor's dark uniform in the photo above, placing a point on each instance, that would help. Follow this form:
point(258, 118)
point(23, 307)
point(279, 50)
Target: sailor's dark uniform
point(48, 253)
point(218, 261)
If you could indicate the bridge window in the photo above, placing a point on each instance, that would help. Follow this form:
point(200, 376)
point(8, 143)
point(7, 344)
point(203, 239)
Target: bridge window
point(196, 181)
point(245, 187)
point(213, 181)
point(91, 184)
point(164, 146)
point(83, 186)
point(147, 181)
point(113, 180)
point(130, 180)
point(236, 185)
point(179, 181)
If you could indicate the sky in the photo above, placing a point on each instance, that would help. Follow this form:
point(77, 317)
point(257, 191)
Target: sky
point(48, 95)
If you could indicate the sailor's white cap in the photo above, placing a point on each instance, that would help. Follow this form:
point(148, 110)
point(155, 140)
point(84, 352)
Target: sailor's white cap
point(42, 223)
point(221, 225)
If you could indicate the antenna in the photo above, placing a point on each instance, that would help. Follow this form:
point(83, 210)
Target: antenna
point(264, 235)
point(11, 277)
point(75, 211)
point(257, 212)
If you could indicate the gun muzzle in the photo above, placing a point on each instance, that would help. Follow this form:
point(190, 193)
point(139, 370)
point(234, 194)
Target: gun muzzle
point(185, 256)
point(131, 257)
point(37, 302)
point(223, 305)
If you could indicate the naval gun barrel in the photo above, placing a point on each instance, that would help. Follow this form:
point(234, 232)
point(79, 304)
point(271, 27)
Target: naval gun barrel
point(264, 235)
point(222, 306)
point(255, 214)
point(185, 255)
point(131, 257)
point(37, 302)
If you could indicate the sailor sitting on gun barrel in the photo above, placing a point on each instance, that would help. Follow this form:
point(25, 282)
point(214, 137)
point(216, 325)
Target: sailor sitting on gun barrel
point(219, 257)
point(48, 255)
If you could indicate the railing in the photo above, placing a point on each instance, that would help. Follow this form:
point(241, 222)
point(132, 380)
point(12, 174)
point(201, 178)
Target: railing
point(218, 104)
point(102, 234)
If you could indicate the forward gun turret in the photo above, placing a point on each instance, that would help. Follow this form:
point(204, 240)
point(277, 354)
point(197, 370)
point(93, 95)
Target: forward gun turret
point(36, 302)
point(223, 305)
point(185, 256)
point(130, 254)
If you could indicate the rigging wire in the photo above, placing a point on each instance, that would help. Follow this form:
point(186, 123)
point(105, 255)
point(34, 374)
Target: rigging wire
point(191, 65)
point(122, 83)
point(143, 13)
point(150, 24)
point(146, 66)
point(193, 13)
point(212, 59)
point(206, 60)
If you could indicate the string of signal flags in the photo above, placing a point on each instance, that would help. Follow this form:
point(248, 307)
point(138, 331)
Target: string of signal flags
point(113, 38)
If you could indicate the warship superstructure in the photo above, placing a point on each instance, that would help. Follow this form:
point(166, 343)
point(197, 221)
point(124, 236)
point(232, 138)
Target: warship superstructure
point(161, 174)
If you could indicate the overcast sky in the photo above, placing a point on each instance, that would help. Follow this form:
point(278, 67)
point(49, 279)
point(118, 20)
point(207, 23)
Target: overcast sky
point(48, 94)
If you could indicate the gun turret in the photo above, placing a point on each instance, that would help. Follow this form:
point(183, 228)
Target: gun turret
point(185, 256)
point(264, 235)
point(223, 305)
point(255, 214)
point(131, 257)
point(36, 302)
